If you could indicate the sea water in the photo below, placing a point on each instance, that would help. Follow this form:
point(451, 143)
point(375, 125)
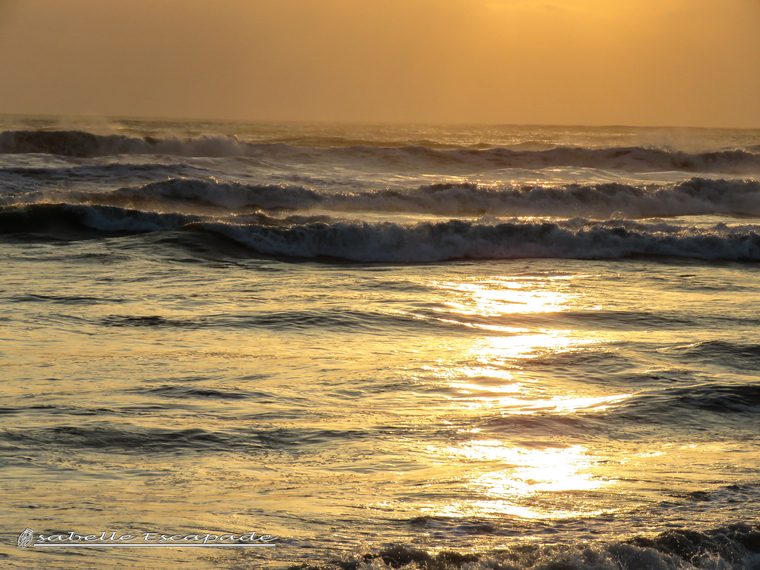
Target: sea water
point(429, 346)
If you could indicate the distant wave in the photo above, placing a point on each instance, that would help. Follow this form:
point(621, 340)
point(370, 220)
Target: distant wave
point(85, 145)
point(697, 196)
point(305, 237)
point(80, 144)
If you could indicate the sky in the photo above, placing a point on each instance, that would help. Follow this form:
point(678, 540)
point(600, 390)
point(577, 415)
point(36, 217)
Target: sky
point(562, 62)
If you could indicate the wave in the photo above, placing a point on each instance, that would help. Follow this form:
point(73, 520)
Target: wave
point(369, 322)
point(97, 173)
point(63, 218)
point(696, 196)
point(304, 237)
point(30, 184)
point(734, 547)
point(128, 438)
point(456, 239)
point(231, 196)
point(82, 144)
point(740, 356)
point(119, 438)
point(733, 404)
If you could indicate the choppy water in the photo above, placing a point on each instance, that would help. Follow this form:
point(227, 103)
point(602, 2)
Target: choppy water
point(503, 347)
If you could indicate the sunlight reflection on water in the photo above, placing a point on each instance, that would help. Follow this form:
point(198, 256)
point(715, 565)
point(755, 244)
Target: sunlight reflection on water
point(486, 377)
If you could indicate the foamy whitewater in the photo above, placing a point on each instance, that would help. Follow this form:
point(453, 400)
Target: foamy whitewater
point(429, 347)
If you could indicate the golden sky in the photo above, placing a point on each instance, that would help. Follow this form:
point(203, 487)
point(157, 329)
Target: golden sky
point(594, 62)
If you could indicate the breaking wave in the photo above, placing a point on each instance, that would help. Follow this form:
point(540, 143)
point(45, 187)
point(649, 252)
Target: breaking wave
point(317, 237)
point(735, 547)
point(456, 239)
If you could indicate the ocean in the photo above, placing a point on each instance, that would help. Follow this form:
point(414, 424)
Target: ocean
point(428, 347)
